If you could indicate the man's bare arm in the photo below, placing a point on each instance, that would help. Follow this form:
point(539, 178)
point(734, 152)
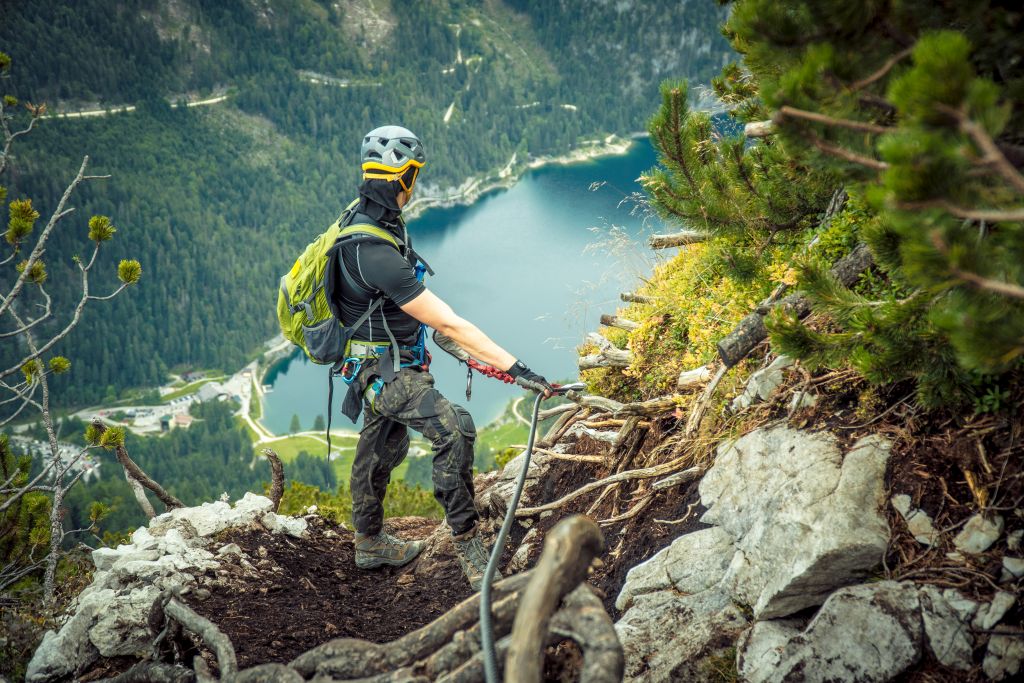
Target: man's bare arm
point(429, 309)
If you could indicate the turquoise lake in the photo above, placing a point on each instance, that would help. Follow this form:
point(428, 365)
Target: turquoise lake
point(533, 266)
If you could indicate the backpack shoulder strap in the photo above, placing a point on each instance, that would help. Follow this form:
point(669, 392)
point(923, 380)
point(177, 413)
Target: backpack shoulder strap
point(350, 232)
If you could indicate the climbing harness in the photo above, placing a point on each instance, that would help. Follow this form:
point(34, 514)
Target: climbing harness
point(486, 628)
point(357, 353)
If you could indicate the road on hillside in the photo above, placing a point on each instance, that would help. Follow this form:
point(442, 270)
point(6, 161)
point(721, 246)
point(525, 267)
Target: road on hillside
point(90, 113)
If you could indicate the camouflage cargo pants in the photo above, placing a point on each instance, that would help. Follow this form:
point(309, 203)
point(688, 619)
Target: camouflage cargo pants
point(410, 400)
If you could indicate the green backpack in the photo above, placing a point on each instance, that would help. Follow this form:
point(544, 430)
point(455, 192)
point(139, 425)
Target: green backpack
point(303, 302)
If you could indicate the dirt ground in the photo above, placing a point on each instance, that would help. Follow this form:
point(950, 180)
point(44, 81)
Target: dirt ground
point(310, 591)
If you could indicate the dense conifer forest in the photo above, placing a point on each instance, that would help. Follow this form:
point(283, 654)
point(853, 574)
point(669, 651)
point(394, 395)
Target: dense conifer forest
point(214, 200)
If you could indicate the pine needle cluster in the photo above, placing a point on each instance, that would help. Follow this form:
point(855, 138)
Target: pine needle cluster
point(915, 108)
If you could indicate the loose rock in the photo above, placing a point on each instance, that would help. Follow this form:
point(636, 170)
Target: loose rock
point(978, 534)
point(1004, 656)
point(918, 521)
point(870, 632)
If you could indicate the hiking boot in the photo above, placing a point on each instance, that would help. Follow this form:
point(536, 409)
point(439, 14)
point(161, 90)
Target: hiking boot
point(473, 556)
point(384, 549)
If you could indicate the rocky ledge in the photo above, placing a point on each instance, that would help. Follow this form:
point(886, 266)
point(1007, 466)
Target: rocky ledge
point(111, 616)
point(784, 583)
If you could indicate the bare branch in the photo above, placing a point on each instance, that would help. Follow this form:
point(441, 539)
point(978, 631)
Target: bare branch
point(37, 252)
point(140, 496)
point(74, 318)
point(882, 71)
point(10, 138)
point(677, 239)
point(848, 155)
point(628, 475)
point(786, 111)
point(136, 472)
point(992, 153)
point(47, 312)
point(110, 296)
point(621, 323)
point(998, 286)
point(989, 215)
point(632, 297)
point(277, 477)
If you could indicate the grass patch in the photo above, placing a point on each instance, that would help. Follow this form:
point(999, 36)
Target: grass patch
point(343, 453)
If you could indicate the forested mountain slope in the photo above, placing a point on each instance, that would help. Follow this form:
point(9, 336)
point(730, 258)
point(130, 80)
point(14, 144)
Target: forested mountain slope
point(215, 201)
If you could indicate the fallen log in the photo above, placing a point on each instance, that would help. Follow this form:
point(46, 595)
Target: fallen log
point(620, 323)
point(691, 379)
point(608, 355)
point(568, 551)
point(608, 358)
point(678, 239)
point(750, 331)
point(634, 298)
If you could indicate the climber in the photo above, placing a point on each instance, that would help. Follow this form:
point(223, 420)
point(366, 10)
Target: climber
point(387, 365)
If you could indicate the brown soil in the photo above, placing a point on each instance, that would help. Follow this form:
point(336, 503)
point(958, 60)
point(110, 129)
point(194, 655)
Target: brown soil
point(309, 591)
point(670, 514)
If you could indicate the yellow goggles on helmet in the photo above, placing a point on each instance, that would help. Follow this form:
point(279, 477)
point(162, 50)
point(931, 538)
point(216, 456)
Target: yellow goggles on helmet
point(373, 170)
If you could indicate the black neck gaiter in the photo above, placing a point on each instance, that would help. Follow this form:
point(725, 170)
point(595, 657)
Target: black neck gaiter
point(378, 200)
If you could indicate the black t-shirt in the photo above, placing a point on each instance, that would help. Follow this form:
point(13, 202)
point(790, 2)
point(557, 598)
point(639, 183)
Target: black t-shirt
point(384, 270)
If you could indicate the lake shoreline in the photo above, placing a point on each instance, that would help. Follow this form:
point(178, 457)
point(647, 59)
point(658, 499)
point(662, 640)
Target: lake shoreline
point(474, 188)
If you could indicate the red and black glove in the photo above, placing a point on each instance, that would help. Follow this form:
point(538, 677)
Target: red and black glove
point(527, 378)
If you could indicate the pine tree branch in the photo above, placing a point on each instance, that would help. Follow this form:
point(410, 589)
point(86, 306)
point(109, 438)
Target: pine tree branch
point(737, 154)
point(991, 152)
point(786, 111)
point(40, 247)
point(998, 286)
point(848, 155)
point(885, 69)
point(988, 215)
